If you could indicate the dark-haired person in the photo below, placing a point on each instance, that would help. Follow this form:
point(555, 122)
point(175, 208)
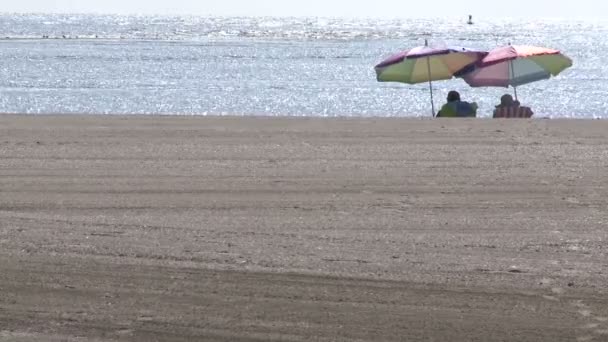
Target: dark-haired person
point(508, 108)
point(456, 108)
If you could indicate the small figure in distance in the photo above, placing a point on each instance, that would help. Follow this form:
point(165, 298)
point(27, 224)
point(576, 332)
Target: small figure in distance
point(509, 108)
point(455, 108)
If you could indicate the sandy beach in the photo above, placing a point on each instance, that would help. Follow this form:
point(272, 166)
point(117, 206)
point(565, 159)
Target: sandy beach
point(151, 228)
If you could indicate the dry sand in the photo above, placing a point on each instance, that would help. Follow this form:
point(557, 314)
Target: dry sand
point(141, 228)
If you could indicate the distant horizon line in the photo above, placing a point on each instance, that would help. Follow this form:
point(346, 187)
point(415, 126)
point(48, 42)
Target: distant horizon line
point(202, 15)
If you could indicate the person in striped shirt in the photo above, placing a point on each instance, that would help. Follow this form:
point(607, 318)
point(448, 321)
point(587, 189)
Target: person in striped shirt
point(508, 108)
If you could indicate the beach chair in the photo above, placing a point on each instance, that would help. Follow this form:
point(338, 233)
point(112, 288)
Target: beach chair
point(513, 112)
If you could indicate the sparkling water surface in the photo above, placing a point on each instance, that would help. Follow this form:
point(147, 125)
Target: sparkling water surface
point(272, 66)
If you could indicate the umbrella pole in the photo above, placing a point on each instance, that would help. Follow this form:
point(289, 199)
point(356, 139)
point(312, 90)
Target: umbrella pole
point(512, 77)
point(428, 64)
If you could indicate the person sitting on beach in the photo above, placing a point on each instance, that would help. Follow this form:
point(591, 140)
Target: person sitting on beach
point(455, 108)
point(509, 108)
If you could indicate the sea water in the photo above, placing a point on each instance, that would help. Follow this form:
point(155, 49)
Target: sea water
point(100, 64)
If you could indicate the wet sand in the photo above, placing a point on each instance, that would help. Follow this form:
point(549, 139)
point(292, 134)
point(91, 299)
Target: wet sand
point(142, 228)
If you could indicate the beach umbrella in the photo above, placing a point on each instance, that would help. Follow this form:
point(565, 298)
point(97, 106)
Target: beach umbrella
point(516, 65)
point(426, 64)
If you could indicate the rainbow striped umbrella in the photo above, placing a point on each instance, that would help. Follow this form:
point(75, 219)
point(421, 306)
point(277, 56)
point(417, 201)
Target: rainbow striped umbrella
point(426, 64)
point(517, 65)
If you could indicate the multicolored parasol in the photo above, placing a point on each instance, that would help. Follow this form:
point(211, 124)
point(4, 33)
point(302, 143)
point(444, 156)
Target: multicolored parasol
point(516, 65)
point(426, 64)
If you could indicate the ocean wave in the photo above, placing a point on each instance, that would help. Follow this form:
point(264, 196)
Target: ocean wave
point(58, 26)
